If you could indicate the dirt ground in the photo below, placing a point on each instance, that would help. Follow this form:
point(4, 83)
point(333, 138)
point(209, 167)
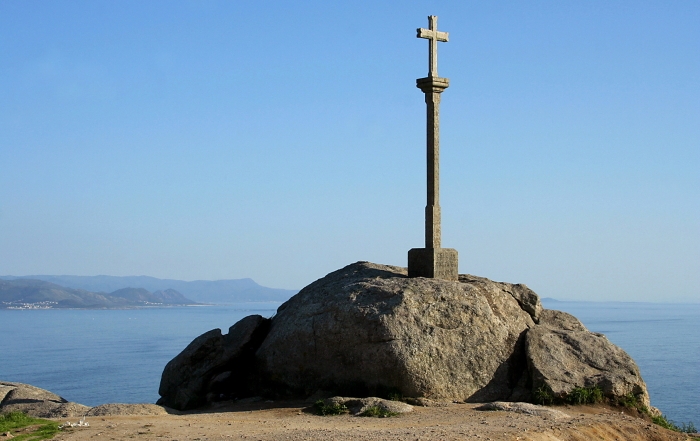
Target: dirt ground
point(292, 421)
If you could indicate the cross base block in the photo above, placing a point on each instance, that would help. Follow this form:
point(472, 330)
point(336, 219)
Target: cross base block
point(432, 84)
point(434, 263)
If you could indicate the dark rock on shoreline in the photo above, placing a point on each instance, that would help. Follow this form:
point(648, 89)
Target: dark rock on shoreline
point(214, 366)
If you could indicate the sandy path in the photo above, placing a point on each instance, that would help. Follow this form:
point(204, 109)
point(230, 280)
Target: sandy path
point(455, 422)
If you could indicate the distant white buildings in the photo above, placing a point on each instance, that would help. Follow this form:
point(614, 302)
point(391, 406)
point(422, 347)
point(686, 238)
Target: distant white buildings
point(23, 305)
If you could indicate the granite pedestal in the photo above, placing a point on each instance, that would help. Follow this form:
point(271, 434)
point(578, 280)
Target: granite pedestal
point(435, 263)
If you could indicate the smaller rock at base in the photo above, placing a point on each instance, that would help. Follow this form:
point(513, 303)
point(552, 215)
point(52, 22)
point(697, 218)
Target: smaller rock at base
point(36, 402)
point(563, 355)
point(359, 405)
point(526, 408)
point(127, 409)
point(426, 402)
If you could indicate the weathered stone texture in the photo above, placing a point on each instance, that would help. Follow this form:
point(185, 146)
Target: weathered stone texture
point(437, 263)
point(368, 328)
point(526, 408)
point(562, 354)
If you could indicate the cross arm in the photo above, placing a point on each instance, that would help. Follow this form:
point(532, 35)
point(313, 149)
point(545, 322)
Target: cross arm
point(430, 34)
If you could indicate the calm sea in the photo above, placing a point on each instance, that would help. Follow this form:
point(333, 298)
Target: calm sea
point(96, 357)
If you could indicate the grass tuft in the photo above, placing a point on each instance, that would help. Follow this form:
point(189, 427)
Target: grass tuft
point(688, 427)
point(585, 395)
point(377, 412)
point(631, 401)
point(396, 396)
point(321, 408)
point(664, 422)
point(543, 396)
point(13, 421)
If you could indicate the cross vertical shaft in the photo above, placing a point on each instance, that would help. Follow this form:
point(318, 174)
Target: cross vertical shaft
point(432, 207)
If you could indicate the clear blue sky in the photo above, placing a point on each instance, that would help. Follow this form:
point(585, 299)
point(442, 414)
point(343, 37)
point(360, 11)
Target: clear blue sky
point(283, 140)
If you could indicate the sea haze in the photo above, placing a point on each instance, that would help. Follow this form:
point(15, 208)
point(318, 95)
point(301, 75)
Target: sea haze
point(100, 356)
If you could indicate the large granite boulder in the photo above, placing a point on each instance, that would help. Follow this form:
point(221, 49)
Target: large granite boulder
point(369, 330)
point(562, 354)
point(214, 366)
point(36, 402)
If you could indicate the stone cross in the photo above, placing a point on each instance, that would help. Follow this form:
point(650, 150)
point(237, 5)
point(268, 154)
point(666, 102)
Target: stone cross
point(434, 36)
point(433, 261)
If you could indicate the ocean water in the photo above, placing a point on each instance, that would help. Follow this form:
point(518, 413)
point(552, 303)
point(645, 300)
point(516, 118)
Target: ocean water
point(96, 356)
point(106, 356)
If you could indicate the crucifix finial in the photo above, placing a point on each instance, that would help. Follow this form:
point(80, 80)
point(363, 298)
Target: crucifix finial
point(433, 35)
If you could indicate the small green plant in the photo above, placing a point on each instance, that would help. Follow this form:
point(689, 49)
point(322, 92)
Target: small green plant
point(688, 427)
point(543, 396)
point(631, 401)
point(664, 422)
point(585, 395)
point(597, 394)
point(396, 396)
point(13, 421)
point(377, 412)
point(321, 408)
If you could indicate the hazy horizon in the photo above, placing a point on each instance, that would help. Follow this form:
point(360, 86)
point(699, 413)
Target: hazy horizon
point(279, 142)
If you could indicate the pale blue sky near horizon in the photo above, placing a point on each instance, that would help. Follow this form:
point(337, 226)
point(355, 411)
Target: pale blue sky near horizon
point(283, 140)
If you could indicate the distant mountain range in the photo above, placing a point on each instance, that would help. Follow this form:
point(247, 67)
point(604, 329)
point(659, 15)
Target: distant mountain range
point(201, 291)
point(39, 294)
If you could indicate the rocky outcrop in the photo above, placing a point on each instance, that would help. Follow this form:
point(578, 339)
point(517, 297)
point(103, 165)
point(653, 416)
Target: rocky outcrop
point(36, 402)
point(369, 330)
point(214, 366)
point(562, 354)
